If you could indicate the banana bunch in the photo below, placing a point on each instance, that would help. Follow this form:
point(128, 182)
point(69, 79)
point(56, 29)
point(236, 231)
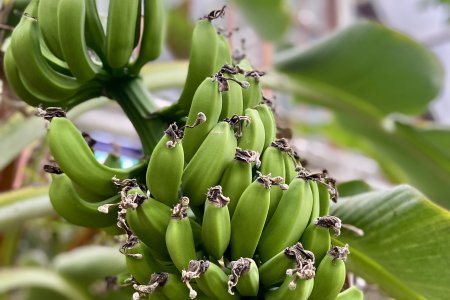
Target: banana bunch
point(60, 55)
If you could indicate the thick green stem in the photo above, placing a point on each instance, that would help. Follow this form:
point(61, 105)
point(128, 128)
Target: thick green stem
point(138, 105)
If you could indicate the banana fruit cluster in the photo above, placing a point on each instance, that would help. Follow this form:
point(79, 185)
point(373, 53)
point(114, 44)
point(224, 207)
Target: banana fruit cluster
point(222, 209)
point(60, 54)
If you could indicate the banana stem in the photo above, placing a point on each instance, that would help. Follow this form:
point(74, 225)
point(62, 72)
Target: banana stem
point(138, 105)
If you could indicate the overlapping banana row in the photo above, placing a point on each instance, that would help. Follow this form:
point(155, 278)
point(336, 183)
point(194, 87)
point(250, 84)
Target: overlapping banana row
point(60, 55)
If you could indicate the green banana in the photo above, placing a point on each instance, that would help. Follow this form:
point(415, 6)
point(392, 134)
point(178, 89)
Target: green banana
point(315, 212)
point(26, 49)
point(232, 98)
point(272, 162)
point(283, 231)
point(167, 284)
point(46, 11)
point(210, 278)
point(112, 160)
point(202, 60)
point(223, 56)
point(316, 236)
point(68, 204)
point(149, 220)
point(208, 100)
point(141, 263)
point(244, 276)
point(268, 120)
point(250, 215)
point(153, 35)
point(95, 34)
point(302, 290)
point(253, 95)
point(330, 275)
point(74, 157)
point(179, 236)
point(273, 271)
point(120, 31)
point(71, 16)
point(253, 136)
point(209, 162)
point(216, 228)
point(165, 167)
point(238, 176)
point(352, 293)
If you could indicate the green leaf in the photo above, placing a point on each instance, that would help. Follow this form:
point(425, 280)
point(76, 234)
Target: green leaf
point(269, 18)
point(372, 67)
point(405, 244)
point(353, 187)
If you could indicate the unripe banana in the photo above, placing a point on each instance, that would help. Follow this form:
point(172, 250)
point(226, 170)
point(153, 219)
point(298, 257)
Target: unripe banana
point(272, 162)
point(330, 275)
point(95, 34)
point(282, 230)
point(71, 17)
point(202, 59)
point(249, 217)
point(208, 100)
point(268, 120)
point(253, 95)
point(352, 293)
point(273, 271)
point(153, 36)
point(165, 167)
point(315, 212)
point(238, 176)
point(216, 228)
point(244, 276)
point(26, 49)
point(168, 284)
point(179, 236)
point(74, 157)
point(141, 263)
point(209, 277)
point(112, 160)
point(232, 98)
point(120, 31)
point(209, 162)
point(46, 15)
point(223, 56)
point(316, 236)
point(149, 220)
point(69, 205)
point(253, 136)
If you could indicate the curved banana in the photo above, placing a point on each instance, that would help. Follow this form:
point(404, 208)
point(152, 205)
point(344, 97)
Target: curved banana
point(26, 49)
point(249, 217)
point(153, 36)
point(74, 157)
point(244, 276)
point(209, 277)
point(120, 31)
point(208, 100)
point(165, 167)
point(179, 236)
point(315, 212)
point(272, 162)
point(330, 275)
point(46, 11)
point(202, 60)
point(253, 136)
point(238, 176)
point(316, 237)
point(95, 34)
point(216, 228)
point(209, 162)
point(149, 222)
point(232, 99)
point(223, 56)
point(71, 17)
point(352, 293)
point(253, 95)
point(69, 205)
point(283, 231)
point(302, 290)
point(268, 120)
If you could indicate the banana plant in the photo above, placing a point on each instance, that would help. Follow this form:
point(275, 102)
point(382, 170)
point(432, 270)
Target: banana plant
point(405, 258)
